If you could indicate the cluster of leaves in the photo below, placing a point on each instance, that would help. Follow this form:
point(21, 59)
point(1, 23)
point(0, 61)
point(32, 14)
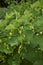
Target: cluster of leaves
point(21, 33)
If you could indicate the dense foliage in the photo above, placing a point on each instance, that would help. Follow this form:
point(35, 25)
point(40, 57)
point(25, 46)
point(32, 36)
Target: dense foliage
point(21, 32)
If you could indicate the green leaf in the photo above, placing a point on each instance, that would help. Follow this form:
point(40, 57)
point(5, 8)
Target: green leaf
point(40, 62)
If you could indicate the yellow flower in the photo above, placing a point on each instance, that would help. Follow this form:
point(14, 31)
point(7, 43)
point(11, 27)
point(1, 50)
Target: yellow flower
point(10, 33)
point(41, 33)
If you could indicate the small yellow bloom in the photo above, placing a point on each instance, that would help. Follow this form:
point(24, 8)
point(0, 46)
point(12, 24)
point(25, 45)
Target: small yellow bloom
point(41, 33)
point(37, 34)
point(10, 33)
